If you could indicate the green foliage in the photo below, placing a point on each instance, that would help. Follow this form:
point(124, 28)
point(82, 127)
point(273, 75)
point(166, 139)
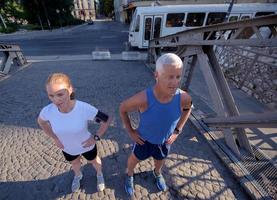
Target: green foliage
point(49, 12)
point(30, 27)
point(11, 27)
point(46, 13)
point(11, 9)
point(12, 13)
point(106, 7)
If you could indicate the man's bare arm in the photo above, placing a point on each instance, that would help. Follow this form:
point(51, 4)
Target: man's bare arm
point(186, 110)
point(135, 103)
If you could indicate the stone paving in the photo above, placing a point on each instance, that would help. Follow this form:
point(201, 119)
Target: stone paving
point(31, 167)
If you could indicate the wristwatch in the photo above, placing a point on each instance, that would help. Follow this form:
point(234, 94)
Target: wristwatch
point(177, 131)
point(96, 138)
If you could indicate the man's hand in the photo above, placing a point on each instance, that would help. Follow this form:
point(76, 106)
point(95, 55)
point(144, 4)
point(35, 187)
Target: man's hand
point(89, 142)
point(172, 138)
point(136, 138)
point(58, 143)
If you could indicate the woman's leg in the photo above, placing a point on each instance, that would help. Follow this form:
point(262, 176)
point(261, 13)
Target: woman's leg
point(76, 166)
point(97, 164)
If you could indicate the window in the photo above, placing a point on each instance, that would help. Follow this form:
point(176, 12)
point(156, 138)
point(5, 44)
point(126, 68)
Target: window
point(245, 17)
point(148, 24)
point(132, 25)
point(233, 18)
point(157, 27)
point(195, 19)
point(137, 24)
point(215, 18)
point(175, 19)
point(263, 13)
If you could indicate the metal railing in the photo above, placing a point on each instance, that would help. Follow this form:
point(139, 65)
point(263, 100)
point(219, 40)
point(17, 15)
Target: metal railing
point(11, 53)
point(197, 49)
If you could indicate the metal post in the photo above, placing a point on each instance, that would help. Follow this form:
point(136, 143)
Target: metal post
point(189, 68)
point(216, 99)
point(227, 97)
point(229, 10)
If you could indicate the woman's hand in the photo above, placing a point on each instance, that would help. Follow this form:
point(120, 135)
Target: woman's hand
point(136, 138)
point(58, 143)
point(89, 142)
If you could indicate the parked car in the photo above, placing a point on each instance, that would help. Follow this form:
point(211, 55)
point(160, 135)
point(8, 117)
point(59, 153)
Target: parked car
point(90, 22)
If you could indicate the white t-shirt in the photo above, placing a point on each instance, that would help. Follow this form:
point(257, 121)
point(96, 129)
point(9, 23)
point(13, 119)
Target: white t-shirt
point(71, 128)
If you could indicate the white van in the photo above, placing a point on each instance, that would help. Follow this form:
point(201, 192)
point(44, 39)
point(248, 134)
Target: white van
point(157, 21)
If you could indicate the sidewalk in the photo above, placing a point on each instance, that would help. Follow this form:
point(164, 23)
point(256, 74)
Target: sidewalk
point(33, 168)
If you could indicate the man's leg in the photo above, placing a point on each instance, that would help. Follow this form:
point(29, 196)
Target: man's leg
point(129, 182)
point(132, 162)
point(160, 182)
point(158, 166)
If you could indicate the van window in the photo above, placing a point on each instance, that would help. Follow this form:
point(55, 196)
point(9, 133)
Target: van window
point(233, 18)
point(137, 24)
point(148, 25)
point(215, 18)
point(175, 19)
point(263, 13)
point(157, 27)
point(195, 19)
point(245, 17)
point(132, 25)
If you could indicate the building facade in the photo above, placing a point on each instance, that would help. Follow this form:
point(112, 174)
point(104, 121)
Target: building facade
point(84, 9)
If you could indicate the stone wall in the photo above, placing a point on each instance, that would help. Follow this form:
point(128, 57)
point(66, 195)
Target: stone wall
point(252, 70)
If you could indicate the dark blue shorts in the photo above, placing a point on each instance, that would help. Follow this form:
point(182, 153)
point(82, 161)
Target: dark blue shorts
point(157, 151)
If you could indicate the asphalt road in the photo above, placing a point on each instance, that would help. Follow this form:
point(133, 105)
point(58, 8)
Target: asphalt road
point(78, 40)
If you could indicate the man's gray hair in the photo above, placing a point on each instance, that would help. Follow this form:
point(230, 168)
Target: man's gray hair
point(168, 59)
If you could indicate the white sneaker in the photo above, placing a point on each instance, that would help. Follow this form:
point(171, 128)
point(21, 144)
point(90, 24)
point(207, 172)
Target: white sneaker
point(100, 183)
point(76, 182)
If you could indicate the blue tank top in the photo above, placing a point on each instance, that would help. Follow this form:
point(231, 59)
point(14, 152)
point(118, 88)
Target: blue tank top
point(158, 122)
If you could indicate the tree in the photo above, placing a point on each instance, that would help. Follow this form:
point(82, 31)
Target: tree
point(45, 11)
point(106, 7)
point(11, 13)
point(11, 10)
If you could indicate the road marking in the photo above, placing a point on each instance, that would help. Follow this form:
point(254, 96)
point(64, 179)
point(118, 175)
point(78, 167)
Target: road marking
point(107, 37)
point(118, 56)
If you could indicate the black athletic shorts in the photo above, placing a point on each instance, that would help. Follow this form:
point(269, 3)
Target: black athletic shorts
point(89, 155)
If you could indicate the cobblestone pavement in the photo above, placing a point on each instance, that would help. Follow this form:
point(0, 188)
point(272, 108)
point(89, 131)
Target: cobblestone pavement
point(31, 167)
